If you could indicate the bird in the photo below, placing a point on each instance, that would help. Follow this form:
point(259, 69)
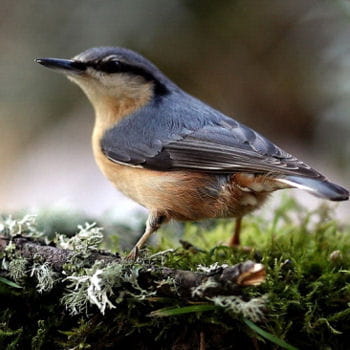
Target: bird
point(174, 154)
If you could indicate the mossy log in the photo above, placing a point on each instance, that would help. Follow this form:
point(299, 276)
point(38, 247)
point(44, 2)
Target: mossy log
point(224, 280)
point(66, 293)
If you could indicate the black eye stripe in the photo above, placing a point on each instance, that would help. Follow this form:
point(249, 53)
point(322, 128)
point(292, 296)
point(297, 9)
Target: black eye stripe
point(115, 66)
point(110, 66)
point(105, 66)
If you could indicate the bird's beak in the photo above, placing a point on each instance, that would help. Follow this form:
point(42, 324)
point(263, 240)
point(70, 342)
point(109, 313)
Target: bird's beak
point(62, 65)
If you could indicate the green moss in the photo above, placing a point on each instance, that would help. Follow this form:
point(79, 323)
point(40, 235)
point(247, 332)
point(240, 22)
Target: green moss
point(303, 304)
point(9, 337)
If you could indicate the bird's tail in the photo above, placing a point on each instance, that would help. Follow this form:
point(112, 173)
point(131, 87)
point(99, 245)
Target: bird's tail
point(318, 187)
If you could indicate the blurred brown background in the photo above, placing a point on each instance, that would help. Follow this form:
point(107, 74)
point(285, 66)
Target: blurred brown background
point(282, 67)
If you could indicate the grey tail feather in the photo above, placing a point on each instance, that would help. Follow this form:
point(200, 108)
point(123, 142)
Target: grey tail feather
point(318, 187)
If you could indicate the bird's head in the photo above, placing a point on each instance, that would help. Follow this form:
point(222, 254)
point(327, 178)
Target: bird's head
point(112, 76)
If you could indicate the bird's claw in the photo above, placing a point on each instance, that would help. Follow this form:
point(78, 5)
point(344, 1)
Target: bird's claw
point(134, 253)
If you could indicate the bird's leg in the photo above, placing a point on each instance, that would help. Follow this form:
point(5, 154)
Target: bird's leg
point(235, 240)
point(154, 221)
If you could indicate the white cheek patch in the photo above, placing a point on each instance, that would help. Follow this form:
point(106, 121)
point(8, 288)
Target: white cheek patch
point(98, 85)
point(115, 79)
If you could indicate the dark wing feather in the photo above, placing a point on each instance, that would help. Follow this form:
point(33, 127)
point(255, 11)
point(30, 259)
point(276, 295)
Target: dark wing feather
point(171, 136)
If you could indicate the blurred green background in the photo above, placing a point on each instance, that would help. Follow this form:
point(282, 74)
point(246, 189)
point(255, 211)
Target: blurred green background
point(281, 67)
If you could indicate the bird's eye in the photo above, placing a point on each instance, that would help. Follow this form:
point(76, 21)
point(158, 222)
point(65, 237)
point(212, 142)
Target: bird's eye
point(110, 66)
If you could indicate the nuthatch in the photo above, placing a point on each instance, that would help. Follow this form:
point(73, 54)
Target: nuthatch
point(172, 153)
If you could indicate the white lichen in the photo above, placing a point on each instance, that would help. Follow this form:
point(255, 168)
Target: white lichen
point(252, 309)
point(75, 299)
point(211, 268)
point(10, 227)
point(98, 291)
point(131, 276)
point(45, 276)
point(169, 281)
point(201, 289)
point(10, 249)
point(98, 284)
point(88, 238)
point(17, 269)
point(91, 288)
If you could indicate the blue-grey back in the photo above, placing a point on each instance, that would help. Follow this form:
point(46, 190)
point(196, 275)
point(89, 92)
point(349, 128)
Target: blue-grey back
point(178, 131)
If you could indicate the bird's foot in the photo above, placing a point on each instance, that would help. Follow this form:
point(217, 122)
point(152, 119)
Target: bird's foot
point(134, 253)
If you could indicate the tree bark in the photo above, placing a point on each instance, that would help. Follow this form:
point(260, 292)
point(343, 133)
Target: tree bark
point(224, 280)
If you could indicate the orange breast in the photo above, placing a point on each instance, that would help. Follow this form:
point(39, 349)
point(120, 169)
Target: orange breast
point(183, 195)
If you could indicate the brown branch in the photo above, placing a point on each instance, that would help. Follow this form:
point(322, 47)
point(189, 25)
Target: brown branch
point(224, 280)
point(34, 248)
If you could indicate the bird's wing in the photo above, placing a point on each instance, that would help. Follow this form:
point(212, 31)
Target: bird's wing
point(203, 140)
